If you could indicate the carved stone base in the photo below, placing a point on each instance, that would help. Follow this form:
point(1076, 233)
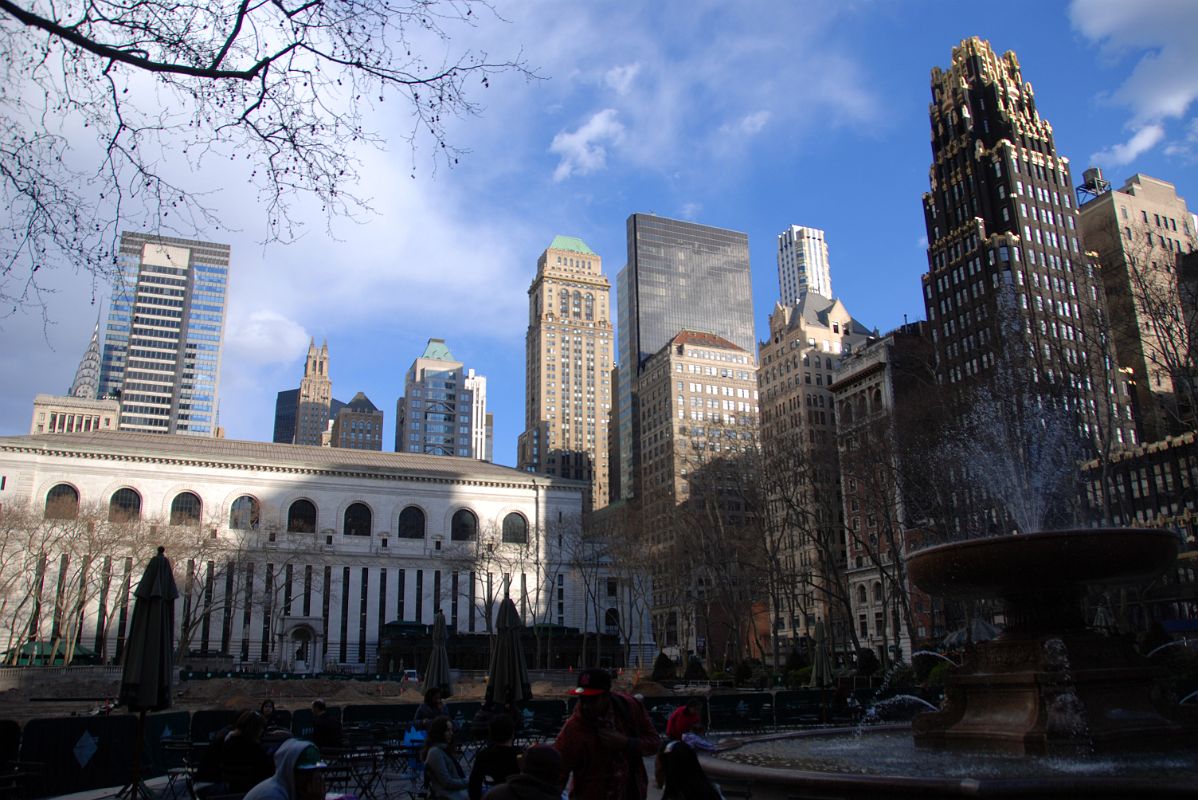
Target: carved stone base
point(1024, 695)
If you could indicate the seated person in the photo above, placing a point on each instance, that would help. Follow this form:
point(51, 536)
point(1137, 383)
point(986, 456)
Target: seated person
point(686, 719)
point(495, 762)
point(430, 709)
point(326, 730)
point(539, 777)
point(299, 774)
point(244, 762)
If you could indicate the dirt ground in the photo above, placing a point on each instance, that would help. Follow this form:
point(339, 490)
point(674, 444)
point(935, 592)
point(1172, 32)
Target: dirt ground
point(57, 696)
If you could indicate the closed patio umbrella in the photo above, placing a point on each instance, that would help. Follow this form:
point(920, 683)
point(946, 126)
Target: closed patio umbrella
point(978, 630)
point(436, 676)
point(821, 659)
point(149, 654)
point(507, 680)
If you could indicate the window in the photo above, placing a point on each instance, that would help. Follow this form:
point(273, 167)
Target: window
point(62, 502)
point(124, 506)
point(515, 529)
point(357, 521)
point(301, 517)
point(464, 526)
point(411, 523)
point(244, 514)
point(185, 509)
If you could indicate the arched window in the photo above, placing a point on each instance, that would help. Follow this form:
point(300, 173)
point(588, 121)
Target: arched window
point(244, 515)
point(877, 591)
point(301, 517)
point(464, 527)
point(577, 303)
point(358, 520)
point(862, 594)
point(411, 523)
point(564, 305)
point(185, 509)
point(590, 306)
point(846, 411)
point(62, 502)
point(515, 529)
point(611, 621)
point(124, 506)
point(877, 397)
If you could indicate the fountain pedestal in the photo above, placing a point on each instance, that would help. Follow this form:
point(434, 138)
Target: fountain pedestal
point(1047, 685)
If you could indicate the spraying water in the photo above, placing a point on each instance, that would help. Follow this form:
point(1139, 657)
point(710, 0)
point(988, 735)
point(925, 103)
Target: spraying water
point(940, 656)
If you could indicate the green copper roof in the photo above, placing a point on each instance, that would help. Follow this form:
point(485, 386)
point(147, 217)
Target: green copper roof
point(571, 243)
point(437, 349)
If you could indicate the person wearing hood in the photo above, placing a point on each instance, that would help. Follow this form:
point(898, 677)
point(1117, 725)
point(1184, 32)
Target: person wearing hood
point(539, 778)
point(299, 774)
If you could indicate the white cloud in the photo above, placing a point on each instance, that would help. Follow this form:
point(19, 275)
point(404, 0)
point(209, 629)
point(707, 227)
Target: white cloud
point(1164, 82)
point(583, 151)
point(264, 337)
point(619, 79)
point(690, 210)
point(753, 123)
point(1140, 142)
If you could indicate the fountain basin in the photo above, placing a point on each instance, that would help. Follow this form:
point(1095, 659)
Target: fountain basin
point(1047, 685)
point(883, 762)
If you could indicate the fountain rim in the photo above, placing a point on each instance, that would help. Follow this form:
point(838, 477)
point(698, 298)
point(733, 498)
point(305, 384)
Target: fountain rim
point(1003, 543)
point(886, 785)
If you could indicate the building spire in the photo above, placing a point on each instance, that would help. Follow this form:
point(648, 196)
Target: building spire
point(87, 375)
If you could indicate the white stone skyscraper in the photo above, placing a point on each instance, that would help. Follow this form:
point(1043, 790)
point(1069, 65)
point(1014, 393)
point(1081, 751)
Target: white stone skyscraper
point(802, 264)
point(162, 346)
point(441, 407)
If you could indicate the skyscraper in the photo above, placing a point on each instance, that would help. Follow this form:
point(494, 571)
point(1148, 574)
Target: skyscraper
point(679, 276)
point(802, 264)
point(315, 396)
point(569, 350)
point(1008, 279)
point(437, 413)
point(162, 346)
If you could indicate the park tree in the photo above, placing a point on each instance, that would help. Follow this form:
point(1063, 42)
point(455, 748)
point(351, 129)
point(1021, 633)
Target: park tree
point(108, 110)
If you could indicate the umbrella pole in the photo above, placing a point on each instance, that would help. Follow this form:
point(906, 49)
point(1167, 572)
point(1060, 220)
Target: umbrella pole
point(136, 789)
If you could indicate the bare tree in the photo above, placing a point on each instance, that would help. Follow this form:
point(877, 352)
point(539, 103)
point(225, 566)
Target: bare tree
point(163, 88)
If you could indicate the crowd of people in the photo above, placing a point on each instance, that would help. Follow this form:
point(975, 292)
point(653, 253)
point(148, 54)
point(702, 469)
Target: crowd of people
point(599, 754)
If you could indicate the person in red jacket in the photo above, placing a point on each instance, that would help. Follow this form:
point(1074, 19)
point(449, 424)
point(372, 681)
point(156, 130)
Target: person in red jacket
point(605, 741)
point(686, 719)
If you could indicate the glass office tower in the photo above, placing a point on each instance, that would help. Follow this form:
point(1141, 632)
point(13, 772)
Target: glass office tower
point(679, 276)
point(166, 324)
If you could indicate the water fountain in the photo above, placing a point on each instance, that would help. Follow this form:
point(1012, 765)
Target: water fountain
point(1048, 708)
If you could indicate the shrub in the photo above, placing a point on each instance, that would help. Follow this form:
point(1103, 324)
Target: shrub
point(663, 668)
point(694, 670)
point(936, 675)
point(743, 673)
point(867, 662)
point(795, 660)
point(798, 678)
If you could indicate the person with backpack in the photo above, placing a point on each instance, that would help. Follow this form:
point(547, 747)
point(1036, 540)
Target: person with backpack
point(605, 741)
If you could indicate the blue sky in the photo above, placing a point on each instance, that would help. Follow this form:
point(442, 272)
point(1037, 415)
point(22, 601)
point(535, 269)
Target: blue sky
point(750, 116)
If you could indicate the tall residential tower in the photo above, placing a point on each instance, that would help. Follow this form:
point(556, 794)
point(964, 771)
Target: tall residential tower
point(802, 264)
point(441, 407)
point(166, 324)
point(569, 354)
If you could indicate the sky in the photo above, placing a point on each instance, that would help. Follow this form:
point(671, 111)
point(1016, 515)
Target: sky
point(749, 115)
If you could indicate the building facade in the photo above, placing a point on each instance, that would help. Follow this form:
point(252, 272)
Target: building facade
point(880, 392)
point(807, 343)
point(679, 276)
point(162, 344)
point(698, 423)
point(802, 264)
point(292, 557)
point(358, 426)
point(1140, 233)
point(441, 403)
point(71, 414)
point(569, 355)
